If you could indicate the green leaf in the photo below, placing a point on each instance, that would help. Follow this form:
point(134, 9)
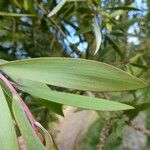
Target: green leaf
point(84, 29)
point(74, 100)
point(30, 137)
point(140, 66)
point(78, 74)
point(125, 24)
point(132, 8)
point(29, 5)
point(8, 138)
point(117, 13)
point(135, 58)
point(115, 46)
point(36, 87)
point(6, 89)
point(55, 107)
point(138, 108)
point(15, 14)
point(98, 35)
point(57, 8)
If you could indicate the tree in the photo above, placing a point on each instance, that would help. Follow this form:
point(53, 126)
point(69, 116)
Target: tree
point(97, 30)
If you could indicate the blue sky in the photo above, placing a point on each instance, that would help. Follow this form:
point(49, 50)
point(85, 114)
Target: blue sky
point(143, 7)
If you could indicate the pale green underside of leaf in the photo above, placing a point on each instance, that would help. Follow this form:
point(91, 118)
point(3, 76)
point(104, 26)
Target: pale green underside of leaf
point(84, 102)
point(31, 139)
point(98, 35)
point(57, 8)
point(48, 138)
point(8, 138)
point(73, 73)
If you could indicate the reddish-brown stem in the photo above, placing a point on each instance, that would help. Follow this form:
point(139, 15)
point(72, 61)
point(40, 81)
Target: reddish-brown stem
point(26, 109)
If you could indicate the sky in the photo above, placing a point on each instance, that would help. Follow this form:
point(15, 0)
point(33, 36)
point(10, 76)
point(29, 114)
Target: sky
point(143, 7)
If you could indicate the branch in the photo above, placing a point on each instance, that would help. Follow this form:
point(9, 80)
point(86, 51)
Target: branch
point(139, 128)
point(104, 135)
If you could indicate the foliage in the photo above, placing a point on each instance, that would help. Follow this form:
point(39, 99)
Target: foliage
point(81, 29)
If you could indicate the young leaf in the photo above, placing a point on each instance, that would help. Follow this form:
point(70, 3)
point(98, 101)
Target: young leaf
point(57, 8)
point(30, 137)
point(98, 35)
point(78, 74)
point(8, 138)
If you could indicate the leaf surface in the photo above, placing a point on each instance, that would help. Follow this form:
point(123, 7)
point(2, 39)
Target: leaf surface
point(80, 101)
point(36, 88)
point(57, 8)
point(98, 35)
point(15, 14)
point(30, 137)
point(71, 73)
point(8, 138)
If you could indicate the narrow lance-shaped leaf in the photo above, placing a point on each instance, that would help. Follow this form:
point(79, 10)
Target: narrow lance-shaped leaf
point(78, 74)
point(15, 14)
point(130, 7)
point(60, 5)
point(72, 99)
point(115, 46)
point(57, 8)
point(8, 138)
point(125, 24)
point(98, 35)
point(30, 137)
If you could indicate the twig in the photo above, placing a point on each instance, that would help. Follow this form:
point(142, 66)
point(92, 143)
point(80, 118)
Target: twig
point(139, 128)
point(105, 130)
point(104, 135)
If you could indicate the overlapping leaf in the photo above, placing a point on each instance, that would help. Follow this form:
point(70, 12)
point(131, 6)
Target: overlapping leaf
point(73, 73)
point(72, 99)
point(36, 88)
point(31, 139)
